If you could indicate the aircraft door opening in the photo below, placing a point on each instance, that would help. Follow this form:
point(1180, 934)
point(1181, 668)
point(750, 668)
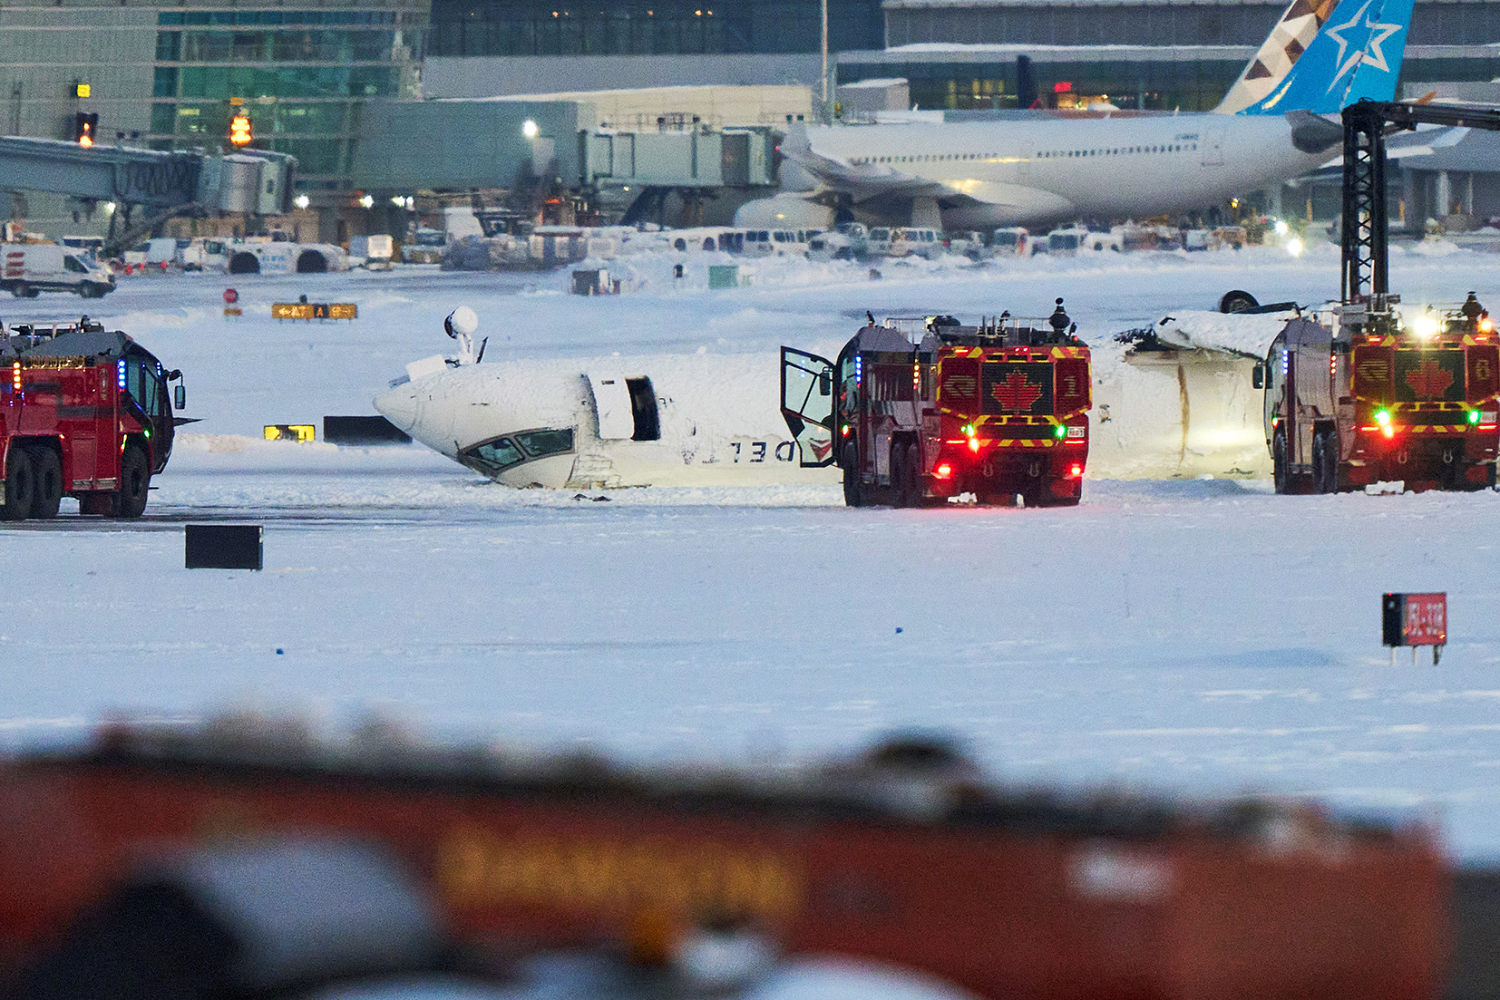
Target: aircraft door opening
point(626, 408)
point(643, 409)
point(1213, 147)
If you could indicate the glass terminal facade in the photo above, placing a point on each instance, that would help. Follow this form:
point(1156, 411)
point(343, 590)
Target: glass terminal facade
point(299, 74)
point(649, 27)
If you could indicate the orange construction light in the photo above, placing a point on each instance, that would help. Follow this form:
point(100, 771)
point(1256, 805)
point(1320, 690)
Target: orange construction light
point(240, 133)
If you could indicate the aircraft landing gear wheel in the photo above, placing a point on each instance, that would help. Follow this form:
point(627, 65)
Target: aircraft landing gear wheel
point(1280, 478)
point(135, 482)
point(19, 485)
point(853, 489)
point(47, 490)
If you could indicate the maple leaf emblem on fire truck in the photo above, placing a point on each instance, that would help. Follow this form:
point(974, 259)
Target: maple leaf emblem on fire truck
point(1017, 392)
point(1429, 381)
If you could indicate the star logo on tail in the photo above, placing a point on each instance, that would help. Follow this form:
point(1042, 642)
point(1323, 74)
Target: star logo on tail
point(1371, 52)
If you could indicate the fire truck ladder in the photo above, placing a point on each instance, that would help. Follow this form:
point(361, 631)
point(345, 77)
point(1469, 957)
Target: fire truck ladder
point(1365, 221)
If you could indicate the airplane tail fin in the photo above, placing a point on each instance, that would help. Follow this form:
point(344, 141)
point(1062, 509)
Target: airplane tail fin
point(1291, 36)
point(1355, 55)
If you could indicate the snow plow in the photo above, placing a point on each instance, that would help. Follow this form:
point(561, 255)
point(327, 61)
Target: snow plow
point(918, 411)
point(905, 855)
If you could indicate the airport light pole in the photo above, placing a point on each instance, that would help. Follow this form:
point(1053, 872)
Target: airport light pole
point(827, 108)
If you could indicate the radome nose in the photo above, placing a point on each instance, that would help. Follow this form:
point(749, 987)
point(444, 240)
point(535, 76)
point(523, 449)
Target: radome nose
point(399, 406)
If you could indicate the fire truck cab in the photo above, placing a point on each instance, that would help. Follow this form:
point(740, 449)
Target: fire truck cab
point(83, 413)
point(926, 410)
point(1368, 397)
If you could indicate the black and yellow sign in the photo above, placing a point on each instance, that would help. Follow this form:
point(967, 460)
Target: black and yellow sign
point(290, 432)
point(314, 310)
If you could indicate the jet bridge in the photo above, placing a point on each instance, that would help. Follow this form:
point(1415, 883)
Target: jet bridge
point(163, 183)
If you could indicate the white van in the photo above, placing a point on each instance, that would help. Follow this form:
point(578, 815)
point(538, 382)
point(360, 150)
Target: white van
point(878, 242)
point(914, 241)
point(29, 268)
point(1067, 242)
point(1011, 241)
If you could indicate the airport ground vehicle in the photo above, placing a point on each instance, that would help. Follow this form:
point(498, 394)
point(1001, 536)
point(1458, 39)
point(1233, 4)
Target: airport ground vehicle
point(1011, 241)
point(995, 410)
point(374, 253)
point(916, 241)
point(83, 413)
point(905, 855)
point(29, 268)
point(1365, 395)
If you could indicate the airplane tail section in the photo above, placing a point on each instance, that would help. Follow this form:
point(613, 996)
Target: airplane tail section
point(1298, 26)
point(1355, 55)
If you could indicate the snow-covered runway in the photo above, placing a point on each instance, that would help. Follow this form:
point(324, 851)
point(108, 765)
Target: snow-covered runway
point(1202, 635)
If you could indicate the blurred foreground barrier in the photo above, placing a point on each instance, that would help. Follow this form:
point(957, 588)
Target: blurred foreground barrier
point(252, 919)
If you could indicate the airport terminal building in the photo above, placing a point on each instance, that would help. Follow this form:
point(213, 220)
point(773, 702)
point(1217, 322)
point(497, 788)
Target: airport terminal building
point(353, 89)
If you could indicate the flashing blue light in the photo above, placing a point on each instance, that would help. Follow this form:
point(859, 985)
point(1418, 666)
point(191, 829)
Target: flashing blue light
point(859, 369)
point(120, 373)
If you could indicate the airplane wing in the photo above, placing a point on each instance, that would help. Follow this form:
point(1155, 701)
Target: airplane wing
point(865, 180)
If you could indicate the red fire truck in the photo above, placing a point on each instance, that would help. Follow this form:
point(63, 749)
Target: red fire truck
point(1368, 399)
point(83, 413)
point(995, 410)
point(1365, 396)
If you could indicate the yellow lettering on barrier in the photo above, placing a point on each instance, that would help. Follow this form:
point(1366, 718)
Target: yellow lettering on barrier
point(476, 868)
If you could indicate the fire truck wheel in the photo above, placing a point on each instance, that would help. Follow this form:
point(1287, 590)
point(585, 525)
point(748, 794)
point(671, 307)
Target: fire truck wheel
point(1279, 477)
point(853, 492)
point(47, 489)
point(913, 482)
point(20, 486)
point(21, 290)
point(898, 475)
point(1325, 466)
point(135, 482)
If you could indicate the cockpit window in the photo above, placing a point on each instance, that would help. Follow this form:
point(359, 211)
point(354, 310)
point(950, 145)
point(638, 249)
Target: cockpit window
point(492, 457)
point(548, 442)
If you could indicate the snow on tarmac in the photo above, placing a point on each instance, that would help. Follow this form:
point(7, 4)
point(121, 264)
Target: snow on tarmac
point(1195, 635)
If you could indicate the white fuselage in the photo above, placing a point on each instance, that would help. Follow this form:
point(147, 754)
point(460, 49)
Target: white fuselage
point(717, 420)
point(1155, 416)
point(1048, 169)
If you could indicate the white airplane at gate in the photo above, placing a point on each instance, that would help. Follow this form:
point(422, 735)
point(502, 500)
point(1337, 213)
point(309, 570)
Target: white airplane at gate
point(1034, 169)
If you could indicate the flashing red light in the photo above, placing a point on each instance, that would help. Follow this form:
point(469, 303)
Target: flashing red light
point(1372, 340)
point(1075, 470)
point(1062, 87)
point(1388, 430)
point(943, 471)
point(973, 444)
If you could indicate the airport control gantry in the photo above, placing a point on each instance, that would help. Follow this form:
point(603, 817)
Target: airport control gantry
point(1365, 219)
